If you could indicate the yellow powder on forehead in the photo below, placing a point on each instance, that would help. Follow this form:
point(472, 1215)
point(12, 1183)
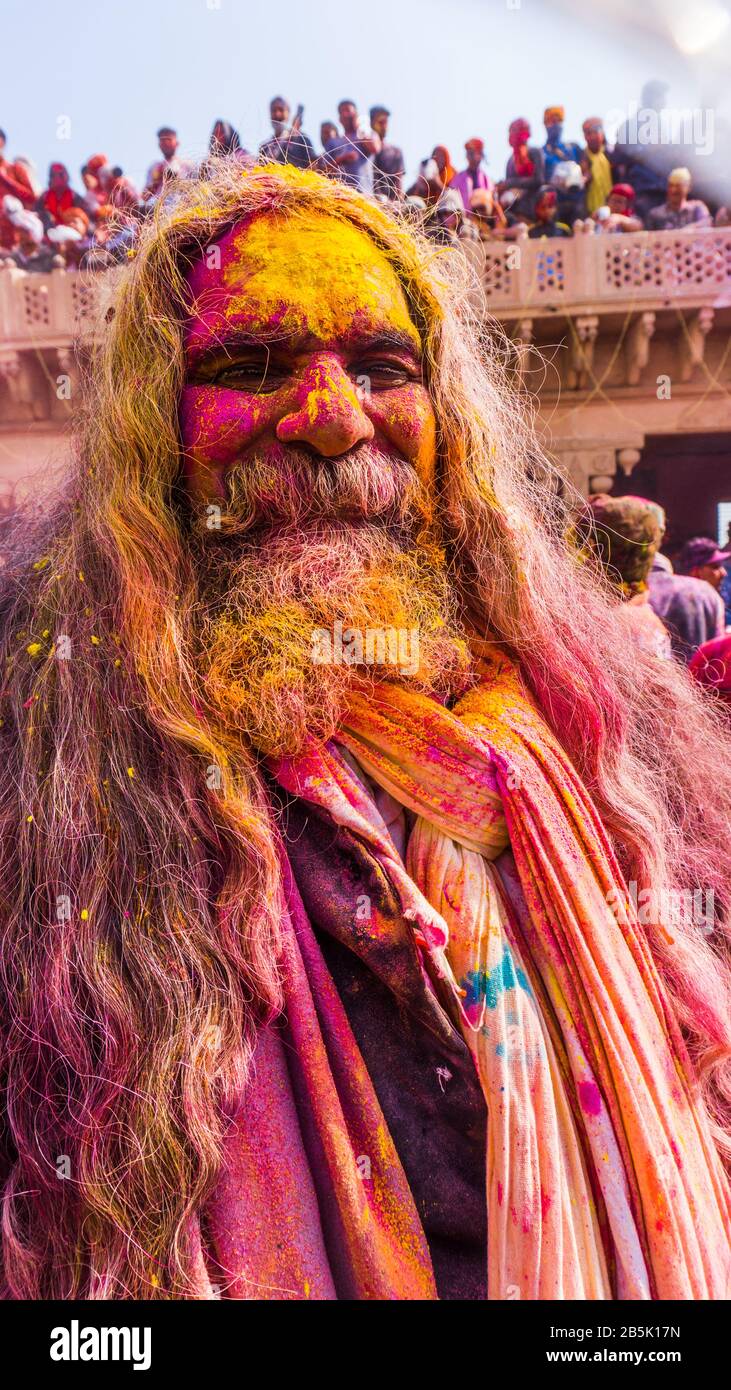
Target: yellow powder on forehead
point(313, 273)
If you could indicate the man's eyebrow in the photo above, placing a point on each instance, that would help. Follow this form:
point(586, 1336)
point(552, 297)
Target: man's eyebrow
point(396, 341)
point(234, 339)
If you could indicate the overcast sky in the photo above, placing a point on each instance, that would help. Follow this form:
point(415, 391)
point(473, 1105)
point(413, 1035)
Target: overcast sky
point(448, 69)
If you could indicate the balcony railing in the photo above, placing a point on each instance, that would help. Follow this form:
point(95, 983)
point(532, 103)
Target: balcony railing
point(641, 270)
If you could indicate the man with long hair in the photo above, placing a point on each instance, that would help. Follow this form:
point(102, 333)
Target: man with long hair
point(340, 814)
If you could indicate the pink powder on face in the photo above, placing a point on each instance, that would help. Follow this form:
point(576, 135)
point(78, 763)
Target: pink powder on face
point(318, 403)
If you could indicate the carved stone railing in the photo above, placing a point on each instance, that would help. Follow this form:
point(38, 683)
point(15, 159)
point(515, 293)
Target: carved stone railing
point(618, 336)
point(640, 269)
point(44, 310)
point(608, 271)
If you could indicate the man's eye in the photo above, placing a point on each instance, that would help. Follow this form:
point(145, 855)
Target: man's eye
point(246, 376)
point(254, 376)
point(382, 375)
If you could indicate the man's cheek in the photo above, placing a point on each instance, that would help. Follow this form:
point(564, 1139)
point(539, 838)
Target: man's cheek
point(406, 418)
point(215, 425)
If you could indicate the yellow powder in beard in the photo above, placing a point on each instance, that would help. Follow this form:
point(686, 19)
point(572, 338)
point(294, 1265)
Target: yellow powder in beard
point(310, 273)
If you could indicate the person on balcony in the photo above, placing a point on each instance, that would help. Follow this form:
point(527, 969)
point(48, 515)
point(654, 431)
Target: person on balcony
point(568, 181)
point(389, 165)
point(474, 176)
point(643, 164)
point(351, 153)
point(546, 223)
point(26, 250)
point(556, 150)
point(170, 166)
point(287, 143)
point(440, 155)
point(486, 214)
point(16, 178)
point(678, 210)
point(58, 197)
point(595, 164)
point(524, 172)
point(618, 215)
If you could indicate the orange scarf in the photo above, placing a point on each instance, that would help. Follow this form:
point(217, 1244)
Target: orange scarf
point(602, 1179)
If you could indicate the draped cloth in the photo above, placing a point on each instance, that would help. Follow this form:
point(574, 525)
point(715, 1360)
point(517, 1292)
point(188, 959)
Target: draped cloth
point(602, 1180)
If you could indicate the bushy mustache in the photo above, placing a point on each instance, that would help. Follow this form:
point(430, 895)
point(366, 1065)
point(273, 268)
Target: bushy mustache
point(292, 488)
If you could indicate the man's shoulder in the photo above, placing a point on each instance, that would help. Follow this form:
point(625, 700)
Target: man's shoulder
point(685, 589)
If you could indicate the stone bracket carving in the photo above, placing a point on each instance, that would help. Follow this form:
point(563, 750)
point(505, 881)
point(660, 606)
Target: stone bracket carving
point(25, 387)
point(693, 342)
point(16, 377)
point(583, 339)
point(637, 346)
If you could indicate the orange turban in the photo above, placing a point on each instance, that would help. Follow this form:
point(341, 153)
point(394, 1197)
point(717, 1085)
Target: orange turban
point(554, 115)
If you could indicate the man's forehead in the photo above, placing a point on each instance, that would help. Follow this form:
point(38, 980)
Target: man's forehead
point(296, 276)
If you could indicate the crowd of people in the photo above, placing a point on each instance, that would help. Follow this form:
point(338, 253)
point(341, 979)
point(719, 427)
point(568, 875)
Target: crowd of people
point(677, 609)
point(549, 189)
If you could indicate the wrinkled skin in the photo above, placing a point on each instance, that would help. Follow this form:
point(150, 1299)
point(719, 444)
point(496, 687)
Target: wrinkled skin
point(299, 334)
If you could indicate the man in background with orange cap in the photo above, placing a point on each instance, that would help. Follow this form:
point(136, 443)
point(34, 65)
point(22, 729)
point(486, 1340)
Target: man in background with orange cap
point(556, 149)
point(474, 176)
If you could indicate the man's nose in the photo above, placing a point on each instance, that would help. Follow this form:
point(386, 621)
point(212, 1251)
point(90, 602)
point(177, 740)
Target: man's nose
point(328, 414)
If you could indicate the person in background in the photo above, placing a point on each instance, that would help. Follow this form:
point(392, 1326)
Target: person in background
point(725, 590)
point(288, 144)
point(643, 165)
point(225, 139)
point(524, 172)
point(94, 196)
point(58, 197)
point(328, 131)
point(441, 157)
point(15, 178)
point(711, 667)
point(427, 185)
point(546, 210)
point(624, 533)
point(388, 163)
point(70, 238)
point(352, 153)
point(443, 218)
point(474, 176)
point(121, 193)
point(486, 214)
point(619, 214)
point(556, 149)
point(703, 559)
point(170, 166)
point(568, 181)
point(25, 249)
point(678, 210)
point(449, 223)
point(26, 171)
point(691, 609)
point(595, 164)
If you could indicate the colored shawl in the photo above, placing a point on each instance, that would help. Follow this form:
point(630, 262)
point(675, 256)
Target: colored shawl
point(602, 1181)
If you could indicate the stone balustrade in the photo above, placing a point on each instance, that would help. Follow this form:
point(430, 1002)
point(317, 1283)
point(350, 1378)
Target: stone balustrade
point(617, 337)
